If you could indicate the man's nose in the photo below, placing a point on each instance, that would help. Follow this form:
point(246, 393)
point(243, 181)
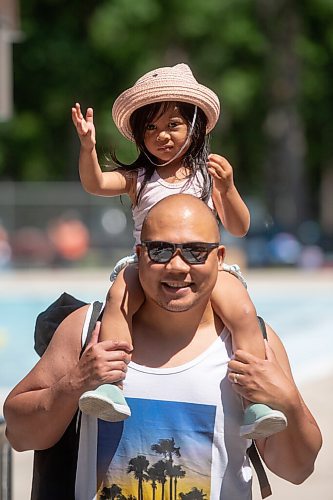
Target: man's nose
point(177, 263)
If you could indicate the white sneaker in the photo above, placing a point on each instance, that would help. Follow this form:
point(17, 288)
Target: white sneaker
point(261, 421)
point(106, 402)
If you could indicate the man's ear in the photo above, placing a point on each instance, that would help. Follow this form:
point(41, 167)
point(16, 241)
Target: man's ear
point(221, 251)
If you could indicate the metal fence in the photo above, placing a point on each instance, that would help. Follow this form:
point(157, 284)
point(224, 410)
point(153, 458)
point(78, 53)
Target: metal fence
point(5, 465)
point(58, 223)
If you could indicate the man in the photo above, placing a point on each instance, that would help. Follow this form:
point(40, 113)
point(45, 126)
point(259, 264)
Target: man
point(182, 384)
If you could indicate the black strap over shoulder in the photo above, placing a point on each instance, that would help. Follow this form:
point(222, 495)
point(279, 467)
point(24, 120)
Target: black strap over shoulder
point(262, 327)
point(254, 456)
point(54, 469)
point(96, 315)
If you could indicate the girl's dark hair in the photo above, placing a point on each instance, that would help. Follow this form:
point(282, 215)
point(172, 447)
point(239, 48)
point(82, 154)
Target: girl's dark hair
point(195, 157)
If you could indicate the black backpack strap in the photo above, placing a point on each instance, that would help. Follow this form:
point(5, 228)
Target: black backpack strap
point(262, 325)
point(54, 469)
point(97, 312)
point(254, 456)
point(252, 451)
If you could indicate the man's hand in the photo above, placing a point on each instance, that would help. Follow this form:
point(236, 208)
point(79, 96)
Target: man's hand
point(290, 454)
point(84, 126)
point(262, 380)
point(222, 173)
point(101, 363)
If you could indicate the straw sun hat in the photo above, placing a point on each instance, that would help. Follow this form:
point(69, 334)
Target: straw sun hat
point(175, 83)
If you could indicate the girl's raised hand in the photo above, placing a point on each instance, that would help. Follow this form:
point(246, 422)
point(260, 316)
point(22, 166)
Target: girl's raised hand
point(84, 126)
point(221, 171)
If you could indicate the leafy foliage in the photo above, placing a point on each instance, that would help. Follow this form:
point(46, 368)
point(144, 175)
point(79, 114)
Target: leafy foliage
point(91, 51)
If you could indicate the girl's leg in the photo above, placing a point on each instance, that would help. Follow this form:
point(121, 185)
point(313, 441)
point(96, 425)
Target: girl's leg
point(121, 305)
point(233, 305)
point(124, 299)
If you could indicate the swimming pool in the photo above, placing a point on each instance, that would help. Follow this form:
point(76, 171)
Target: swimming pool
point(17, 323)
point(301, 311)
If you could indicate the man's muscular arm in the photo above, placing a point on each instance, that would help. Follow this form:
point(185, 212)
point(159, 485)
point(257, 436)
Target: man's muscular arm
point(41, 406)
point(290, 454)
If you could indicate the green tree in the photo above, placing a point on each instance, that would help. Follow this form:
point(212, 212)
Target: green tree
point(270, 61)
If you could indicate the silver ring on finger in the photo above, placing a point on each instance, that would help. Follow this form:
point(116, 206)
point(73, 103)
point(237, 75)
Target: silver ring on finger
point(236, 375)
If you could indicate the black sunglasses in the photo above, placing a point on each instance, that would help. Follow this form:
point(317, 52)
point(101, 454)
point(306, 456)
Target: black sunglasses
point(162, 252)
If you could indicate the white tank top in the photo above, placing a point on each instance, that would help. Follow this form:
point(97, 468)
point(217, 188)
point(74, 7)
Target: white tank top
point(183, 434)
point(156, 189)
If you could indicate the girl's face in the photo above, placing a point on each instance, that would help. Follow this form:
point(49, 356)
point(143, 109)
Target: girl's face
point(166, 134)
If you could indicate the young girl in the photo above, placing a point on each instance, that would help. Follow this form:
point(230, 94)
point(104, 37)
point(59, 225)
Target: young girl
point(169, 115)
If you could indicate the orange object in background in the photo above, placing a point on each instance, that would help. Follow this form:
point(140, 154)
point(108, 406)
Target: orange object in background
point(70, 238)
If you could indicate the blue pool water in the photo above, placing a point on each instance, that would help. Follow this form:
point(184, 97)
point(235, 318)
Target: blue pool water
point(17, 323)
point(303, 321)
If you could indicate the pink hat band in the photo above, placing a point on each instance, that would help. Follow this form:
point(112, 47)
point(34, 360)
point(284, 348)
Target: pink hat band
point(175, 83)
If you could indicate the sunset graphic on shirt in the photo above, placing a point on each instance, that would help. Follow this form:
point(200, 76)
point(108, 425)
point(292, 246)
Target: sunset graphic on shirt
point(163, 451)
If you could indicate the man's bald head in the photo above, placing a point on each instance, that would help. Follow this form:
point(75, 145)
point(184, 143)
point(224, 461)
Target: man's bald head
point(181, 211)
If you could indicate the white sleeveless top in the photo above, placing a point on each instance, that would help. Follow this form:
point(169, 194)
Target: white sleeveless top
point(156, 189)
point(183, 434)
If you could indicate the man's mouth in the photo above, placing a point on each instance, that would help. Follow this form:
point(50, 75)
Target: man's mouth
point(176, 285)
